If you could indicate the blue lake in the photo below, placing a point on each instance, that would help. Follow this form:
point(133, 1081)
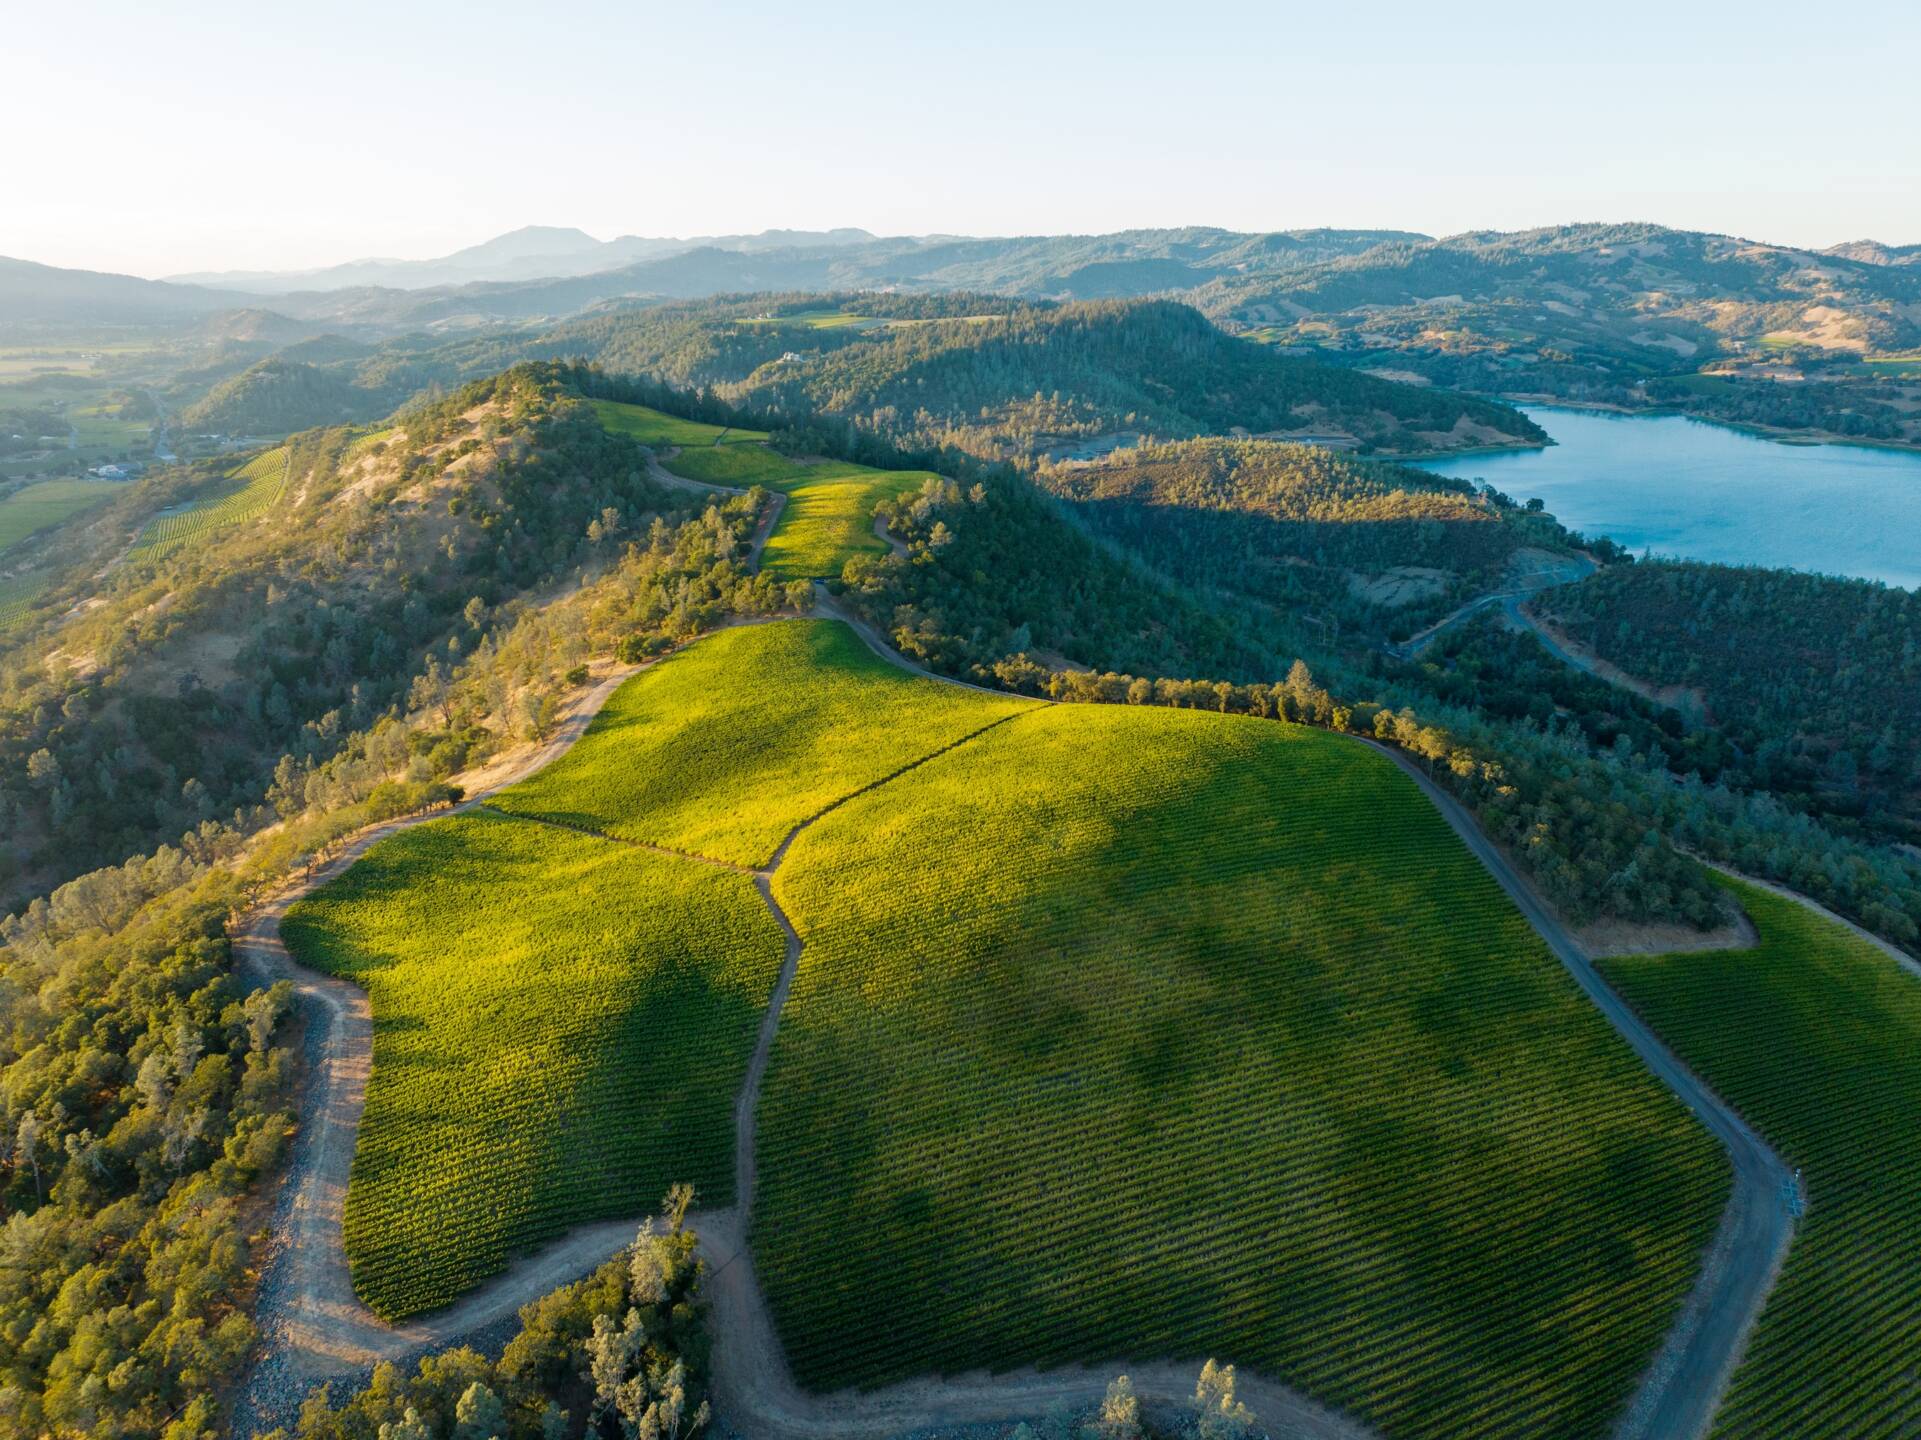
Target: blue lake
point(1682, 487)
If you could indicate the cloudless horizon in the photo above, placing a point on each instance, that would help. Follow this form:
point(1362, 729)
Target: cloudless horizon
point(241, 138)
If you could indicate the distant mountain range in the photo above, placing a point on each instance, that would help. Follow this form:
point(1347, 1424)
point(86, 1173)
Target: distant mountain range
point(1616, 314)
point(534, 252)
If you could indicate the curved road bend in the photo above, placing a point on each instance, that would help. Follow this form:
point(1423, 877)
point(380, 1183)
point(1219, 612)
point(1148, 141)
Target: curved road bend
point(1684, 1384)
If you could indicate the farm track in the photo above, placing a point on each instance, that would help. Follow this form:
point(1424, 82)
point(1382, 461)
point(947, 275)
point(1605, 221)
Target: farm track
point(314, 1328)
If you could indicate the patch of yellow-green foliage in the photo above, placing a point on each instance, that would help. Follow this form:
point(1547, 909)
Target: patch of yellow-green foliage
point(829, 515)
point(722, 749)
point(560, 1025)
point(652, 427)
point(35, 507)
point(1814, 1035)
point(1142, 1032)
point(261, 479)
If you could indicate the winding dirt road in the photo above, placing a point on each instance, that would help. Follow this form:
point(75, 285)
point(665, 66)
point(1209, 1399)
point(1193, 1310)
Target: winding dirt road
point(314, 1328)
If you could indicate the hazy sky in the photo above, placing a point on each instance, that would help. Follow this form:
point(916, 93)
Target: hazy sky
point(160, 138)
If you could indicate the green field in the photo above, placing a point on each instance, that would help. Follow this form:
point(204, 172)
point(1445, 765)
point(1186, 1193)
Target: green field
point(1136, 1032)
point(651, 427)
point(1815, 1037)
point(262, 480)
point(560, 1025)
point(722, 749)
point(37, 506)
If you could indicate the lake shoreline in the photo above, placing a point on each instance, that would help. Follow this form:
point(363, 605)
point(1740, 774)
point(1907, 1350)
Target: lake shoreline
point(1671, 484)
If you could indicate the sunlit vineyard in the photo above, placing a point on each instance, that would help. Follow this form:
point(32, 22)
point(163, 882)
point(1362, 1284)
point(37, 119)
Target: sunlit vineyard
point(722, 749)
point(653, 427)
point(560, 1026)
point(1133, 1032)
point(1815, 1036)
point(830, 503)
point(262, 480)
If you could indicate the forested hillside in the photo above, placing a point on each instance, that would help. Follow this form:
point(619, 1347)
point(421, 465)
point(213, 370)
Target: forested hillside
point(982, 374)
point(279, 395)
point(1623, 314)
point(1326, 543)
point(165, 699)
point(1816, 680)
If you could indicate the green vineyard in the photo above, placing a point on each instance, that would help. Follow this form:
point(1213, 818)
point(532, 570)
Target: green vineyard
point(560, 1024)
point(16, 599)
point(829, 516)
point(653, 428)
point(1815, 1036)
point(1146, 1033)
point(724, 748)
point(262, 480)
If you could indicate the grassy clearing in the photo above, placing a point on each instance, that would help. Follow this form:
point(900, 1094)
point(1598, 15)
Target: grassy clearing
point(725, 747)
point(560, 1026)
point(1815, 1036)
point(1136, 1032)
point(36, 507)
point(651, 427)
point(262, 480)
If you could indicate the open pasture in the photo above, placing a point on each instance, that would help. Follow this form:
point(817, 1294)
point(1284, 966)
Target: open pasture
point(1814, 1035)
point(560, 1025)
point(722, 749)
point(1145, 1033)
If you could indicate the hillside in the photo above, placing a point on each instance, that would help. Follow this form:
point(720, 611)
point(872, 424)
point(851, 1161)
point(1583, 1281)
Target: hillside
point(1815, 680)
point(170, 694)
point(279, 395)
point(1323, 543)
point(1621, 314)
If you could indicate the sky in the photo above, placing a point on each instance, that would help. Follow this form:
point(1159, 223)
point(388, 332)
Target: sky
point(160, 139)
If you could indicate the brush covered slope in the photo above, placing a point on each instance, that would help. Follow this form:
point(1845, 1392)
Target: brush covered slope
point(723, 749)
point(560, 1024)
point(270, 610)
point(1130, 1032)
point(1815, 1036)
